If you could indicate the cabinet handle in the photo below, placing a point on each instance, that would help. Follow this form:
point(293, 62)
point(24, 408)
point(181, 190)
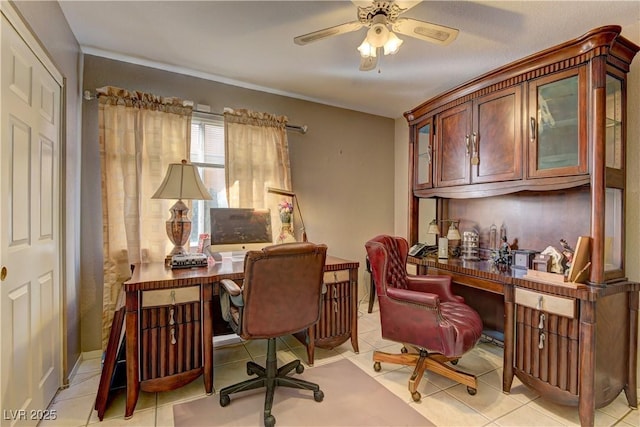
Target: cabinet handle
point(466, 142)
point(172, 320)
point(539, 305)
point(428, 153)
point(173, 336)
point(541, 324)
point(532, 125)
point(541, 341)
point(474, 149)
point(335, 306)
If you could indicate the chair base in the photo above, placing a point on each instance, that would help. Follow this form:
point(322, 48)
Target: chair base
point(423, 360)
point(271, 377)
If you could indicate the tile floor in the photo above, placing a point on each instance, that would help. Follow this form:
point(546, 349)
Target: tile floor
point(443, 402)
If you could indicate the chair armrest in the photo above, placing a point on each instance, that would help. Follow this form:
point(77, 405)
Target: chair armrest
point(234, 291)
point(421, 298)
point(439, 285)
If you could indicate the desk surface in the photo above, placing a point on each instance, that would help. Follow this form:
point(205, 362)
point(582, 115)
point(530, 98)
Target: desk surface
point(157, 276)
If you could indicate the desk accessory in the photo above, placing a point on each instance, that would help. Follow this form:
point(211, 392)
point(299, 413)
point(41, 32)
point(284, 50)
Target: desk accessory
point(182, 181)
point(443, 242)
point(296, 202)
point(470, 248)
point(189, 260)
point(523, 258)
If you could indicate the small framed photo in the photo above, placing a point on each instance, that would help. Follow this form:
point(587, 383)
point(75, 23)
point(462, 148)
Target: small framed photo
point(204, 240)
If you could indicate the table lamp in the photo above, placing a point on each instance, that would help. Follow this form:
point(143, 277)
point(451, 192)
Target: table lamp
point(443, 242)
point(181, 181)
point(291, 194)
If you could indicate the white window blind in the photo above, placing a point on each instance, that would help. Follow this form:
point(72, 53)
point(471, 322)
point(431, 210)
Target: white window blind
point(207, 153)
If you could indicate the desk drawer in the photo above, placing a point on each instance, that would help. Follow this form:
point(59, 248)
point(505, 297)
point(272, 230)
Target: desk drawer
point(334, 326)
point(170, 296)
point(170, 339)
point(336, 276)
point(547, 339)
point(561, 306)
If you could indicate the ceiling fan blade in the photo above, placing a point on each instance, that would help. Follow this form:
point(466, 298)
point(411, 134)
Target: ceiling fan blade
point(427, 31)
point(407, 4)
point(328, 32)
point(369, 63)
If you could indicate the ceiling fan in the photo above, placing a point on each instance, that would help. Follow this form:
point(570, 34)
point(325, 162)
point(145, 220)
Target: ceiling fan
point(383, 19)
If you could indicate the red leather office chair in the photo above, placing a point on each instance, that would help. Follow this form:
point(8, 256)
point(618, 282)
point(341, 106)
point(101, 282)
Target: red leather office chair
point(420, 312)
point(281, 294)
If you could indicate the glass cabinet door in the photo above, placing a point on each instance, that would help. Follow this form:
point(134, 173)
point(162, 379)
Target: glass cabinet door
point(557, 140)
point(423, 154)
point(615, 180)
point(613, 124)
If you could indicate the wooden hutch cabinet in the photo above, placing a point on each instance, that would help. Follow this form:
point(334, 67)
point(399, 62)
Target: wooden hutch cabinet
point(487, 128)
point(537, 148)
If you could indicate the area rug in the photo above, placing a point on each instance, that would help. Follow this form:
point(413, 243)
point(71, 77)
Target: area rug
point(351, 398)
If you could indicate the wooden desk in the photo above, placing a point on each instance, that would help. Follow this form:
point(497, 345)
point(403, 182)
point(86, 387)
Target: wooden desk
point(169, 324)
point(553, 340)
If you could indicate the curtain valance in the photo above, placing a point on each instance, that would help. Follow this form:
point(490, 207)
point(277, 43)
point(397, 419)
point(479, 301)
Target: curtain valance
point(110, 95)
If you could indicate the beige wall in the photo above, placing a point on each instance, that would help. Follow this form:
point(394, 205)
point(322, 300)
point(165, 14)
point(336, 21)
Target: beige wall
point(50, 27)
point(342, 169)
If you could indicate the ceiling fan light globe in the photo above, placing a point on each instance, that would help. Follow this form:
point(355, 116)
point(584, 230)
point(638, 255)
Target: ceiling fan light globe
point(393, 44)
point(367, 50)
point(378, 35)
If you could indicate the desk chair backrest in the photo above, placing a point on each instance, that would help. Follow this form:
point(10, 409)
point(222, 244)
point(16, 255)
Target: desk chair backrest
point(282, 289)
point(391, 252)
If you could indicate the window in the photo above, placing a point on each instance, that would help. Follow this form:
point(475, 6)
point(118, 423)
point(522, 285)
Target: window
point(207, 153)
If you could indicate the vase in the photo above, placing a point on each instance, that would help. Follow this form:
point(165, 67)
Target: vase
point(286, 234)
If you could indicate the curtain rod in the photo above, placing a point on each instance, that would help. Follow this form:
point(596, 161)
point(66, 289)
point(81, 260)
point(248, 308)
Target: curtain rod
point(297, 128)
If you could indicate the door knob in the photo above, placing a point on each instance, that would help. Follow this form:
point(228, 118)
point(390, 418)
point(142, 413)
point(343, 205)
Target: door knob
point(3, 273)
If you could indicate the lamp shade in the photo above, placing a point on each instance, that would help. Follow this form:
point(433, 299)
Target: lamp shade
point(433, 228)
point(392, 45)
point(453, 233)
point(182, 181)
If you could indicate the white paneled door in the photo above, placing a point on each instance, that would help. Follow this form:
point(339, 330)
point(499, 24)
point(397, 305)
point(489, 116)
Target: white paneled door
point(30, 325)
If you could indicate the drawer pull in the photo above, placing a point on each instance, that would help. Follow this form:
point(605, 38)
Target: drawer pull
point(172, 320)
point(539, 305)
point(173, 336)
point(541, 341)
point(335, 306)
point(541, 324)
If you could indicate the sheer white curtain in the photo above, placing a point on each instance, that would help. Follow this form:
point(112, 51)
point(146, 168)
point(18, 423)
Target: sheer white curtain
point(257, 157)
point(140, 134)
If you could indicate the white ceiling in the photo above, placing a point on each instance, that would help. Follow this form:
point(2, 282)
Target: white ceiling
point(250, 43)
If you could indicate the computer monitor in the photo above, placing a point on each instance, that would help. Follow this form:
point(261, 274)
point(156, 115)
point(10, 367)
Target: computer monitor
point(237, 230)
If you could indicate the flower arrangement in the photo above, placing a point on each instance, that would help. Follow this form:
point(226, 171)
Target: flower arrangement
point(286, 209)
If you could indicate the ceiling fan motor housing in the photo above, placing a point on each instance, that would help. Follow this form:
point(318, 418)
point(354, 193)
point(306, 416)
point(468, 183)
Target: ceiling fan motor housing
point(388, 9)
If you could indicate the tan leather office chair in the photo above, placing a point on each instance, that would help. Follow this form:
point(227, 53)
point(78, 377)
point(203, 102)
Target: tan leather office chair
point(423, 314)
point(281, 295)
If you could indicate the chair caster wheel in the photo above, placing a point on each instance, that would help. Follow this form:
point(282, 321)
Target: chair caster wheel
point(416, 396)
point(224, 400)
point(269, 421)
point(472, 391)
point(404, 350)
point(377, 367)
point(299, 369)
point(318, 396)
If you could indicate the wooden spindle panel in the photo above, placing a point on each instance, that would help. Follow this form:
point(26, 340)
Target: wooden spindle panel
point(159, 357)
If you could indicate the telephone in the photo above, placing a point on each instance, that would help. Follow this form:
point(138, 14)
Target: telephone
point(421, 249)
